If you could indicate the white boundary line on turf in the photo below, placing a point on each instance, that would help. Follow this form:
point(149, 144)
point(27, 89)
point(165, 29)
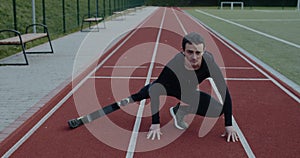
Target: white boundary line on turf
point(267, 20)
point(133, 139)
point(234, 123)
point(250, 29)
point(59, 104)
point(274, 11)
point(245, 53)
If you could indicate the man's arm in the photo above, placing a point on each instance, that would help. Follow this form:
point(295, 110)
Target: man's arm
point(157, 88)
point(218, 78)
point(220, 83)
point(154, 93)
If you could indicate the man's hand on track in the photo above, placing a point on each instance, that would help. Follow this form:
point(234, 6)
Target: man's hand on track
point(231, 134)
point(154, 131)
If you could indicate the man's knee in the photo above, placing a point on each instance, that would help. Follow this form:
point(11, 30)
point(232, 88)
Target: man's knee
point(142, 94)
point(156, 89)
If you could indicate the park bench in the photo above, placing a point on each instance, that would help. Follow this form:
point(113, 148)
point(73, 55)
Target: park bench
point(120, 14)
point(22, 39)
point(92, 19)
point(139, 8)
point(130, 10)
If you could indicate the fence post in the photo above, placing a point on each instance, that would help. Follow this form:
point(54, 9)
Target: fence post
point(104, 14)
point(78, 14)
point(114, 6)
point(15, 15)
point(64, 18)
point(282, 4)
point(44, 12)
point(97, 8)
point(89, 8)
point(109, 4)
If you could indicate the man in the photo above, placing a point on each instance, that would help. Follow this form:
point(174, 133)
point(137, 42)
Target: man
point(180, 78)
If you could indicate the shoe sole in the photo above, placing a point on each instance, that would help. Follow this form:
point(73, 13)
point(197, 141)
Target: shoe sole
point(71, 124)
point(74, 123)
point(175, 120)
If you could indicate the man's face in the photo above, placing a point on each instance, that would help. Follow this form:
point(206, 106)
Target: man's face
point(193, 55)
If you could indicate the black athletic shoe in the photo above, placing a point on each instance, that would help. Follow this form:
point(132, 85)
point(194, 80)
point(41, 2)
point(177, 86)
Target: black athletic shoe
point(74, 123)
point(178, 118)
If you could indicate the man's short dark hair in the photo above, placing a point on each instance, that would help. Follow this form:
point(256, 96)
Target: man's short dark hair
point(192, 38)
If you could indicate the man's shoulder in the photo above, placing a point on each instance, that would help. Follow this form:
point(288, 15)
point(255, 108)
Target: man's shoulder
point(175, 62)
point(177, 58)
point(208, 57)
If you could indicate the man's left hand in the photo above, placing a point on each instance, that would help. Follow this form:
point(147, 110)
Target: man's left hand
point(154, 131)
point(231, 134)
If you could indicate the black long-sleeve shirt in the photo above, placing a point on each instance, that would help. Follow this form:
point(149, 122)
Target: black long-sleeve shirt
point(181, 82)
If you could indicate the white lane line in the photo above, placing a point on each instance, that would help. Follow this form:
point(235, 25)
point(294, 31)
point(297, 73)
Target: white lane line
point(237, 68)
point(133, 139)
point(58, 105)
point(161, 67)
point(243, 56)
point(234, 123)
point(226, 68)
point(247, 79)
point(250, 29)
point(153, 78)
point(123, 77)
point(241, 136)
point(125, 67)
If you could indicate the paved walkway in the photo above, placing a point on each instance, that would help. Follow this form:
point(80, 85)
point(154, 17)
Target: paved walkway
point(25, 89)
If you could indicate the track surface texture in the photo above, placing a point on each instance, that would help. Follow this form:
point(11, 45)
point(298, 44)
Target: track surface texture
point(266, 112)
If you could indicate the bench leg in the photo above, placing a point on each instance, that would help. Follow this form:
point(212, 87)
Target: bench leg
point(97, 25)
point(104, 24)
point(18, 64)
point(82, 25)
point(35, 52)
point(89, 25)
point(49, 40)
point(24, 53)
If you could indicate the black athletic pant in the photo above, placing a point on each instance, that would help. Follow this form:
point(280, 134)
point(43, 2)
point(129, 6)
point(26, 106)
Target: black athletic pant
point(199, 103)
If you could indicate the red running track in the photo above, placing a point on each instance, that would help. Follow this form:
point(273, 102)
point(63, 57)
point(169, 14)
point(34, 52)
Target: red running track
point(267, 116)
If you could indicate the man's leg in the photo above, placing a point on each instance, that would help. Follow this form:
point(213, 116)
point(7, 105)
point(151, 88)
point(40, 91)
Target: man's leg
point(142, 94)
point(199, 103)
point(206, 106)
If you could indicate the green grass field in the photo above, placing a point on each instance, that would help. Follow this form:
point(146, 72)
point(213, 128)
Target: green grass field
point(250, 28)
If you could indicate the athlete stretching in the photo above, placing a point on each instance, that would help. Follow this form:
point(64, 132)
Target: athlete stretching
point(180, 78)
